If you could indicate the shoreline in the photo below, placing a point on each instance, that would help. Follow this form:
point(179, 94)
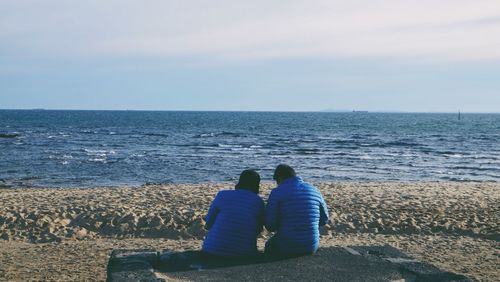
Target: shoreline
point(451, 224)
point(231, 183)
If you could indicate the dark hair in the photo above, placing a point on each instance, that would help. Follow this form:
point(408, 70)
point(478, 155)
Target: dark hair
point(283, 171)
point(249, 180)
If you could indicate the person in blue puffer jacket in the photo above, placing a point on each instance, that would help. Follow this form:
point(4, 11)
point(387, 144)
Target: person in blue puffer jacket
point(235, 219)
point(295, 210)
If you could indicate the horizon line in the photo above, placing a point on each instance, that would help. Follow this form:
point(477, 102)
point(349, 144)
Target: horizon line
point(256, 111)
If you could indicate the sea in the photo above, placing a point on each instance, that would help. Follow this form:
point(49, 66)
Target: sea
point(61, 148)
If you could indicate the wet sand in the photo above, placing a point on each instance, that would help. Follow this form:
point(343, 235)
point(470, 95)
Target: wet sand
point(68, 234)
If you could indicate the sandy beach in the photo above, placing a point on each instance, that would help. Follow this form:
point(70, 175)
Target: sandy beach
point(68, 234)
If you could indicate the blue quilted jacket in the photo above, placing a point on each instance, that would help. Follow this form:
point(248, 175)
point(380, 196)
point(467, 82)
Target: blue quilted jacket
point(295, 210)
point(234, 220)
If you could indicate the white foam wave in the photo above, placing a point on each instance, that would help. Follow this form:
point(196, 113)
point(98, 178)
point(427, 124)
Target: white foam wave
point(98, 160)
point(99, 152)
point(230, 146)
point(94, 151)
point(207, 135)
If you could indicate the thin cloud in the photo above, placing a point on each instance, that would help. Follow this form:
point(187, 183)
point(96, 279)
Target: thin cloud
point(435, 31)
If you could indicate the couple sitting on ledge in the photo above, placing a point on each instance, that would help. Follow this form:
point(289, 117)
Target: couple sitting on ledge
point(294, 211)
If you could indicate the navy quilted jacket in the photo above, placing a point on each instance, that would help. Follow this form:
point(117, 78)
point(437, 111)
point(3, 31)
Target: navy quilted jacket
point(234, 220)
point(295, 210)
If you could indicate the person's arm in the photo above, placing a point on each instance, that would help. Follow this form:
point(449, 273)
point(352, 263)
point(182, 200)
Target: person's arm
point(272, 212)
point(323, 213)
point(212, 213)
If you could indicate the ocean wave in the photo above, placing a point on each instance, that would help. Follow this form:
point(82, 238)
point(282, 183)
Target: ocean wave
point(228, 133)
point(99, 152)
point(455, 178)
point(217, 134)
point(381, 144)
point(208, 147)
point(308, 151)
point(204, 135)
point(450, 154)
point(402, 143)
point(229, 146)
point(489, 158)
point(34, 177)
point(475, 168)
point(98, 160)
point(157, 134)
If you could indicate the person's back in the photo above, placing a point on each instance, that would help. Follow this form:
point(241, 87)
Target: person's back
point(234, 220)
point(295, 210)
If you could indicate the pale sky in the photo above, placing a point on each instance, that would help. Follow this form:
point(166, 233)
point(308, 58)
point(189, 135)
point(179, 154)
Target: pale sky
point(377, 55)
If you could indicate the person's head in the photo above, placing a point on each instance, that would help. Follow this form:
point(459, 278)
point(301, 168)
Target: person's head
point(283, 172)
point(249, 180)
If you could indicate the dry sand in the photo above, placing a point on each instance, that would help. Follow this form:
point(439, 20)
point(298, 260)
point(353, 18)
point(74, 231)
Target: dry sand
point(68, 234)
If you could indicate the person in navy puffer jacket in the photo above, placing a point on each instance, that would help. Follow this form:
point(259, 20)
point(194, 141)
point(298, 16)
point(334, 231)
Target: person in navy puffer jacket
point(295, 210)
point(235, 219)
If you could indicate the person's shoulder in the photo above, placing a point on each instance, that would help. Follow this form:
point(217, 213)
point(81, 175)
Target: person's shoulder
point(311, 187)
point(281, 192)
point(224, 193)
point(249, 197)
point(277, 190)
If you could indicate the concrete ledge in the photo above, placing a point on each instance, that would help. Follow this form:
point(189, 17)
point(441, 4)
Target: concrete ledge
point(354, 263)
